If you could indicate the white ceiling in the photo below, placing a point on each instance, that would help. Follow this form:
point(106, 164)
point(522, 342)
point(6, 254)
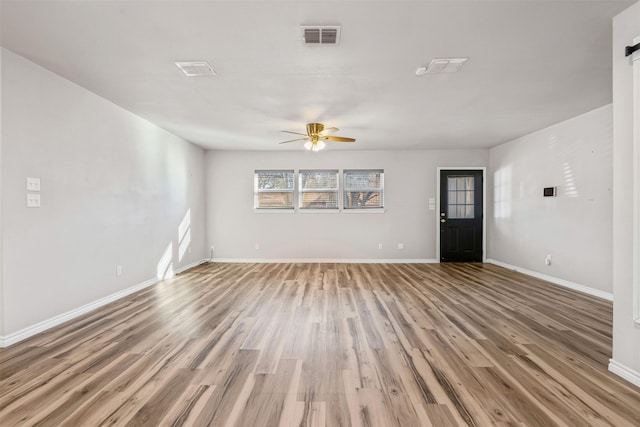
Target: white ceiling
point(531, 64)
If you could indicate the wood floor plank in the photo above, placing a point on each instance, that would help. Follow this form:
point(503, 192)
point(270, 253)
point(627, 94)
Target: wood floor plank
point(265, 404)
point(309, 344)
point(220, 404)
point(189, 406)
point(94, 385)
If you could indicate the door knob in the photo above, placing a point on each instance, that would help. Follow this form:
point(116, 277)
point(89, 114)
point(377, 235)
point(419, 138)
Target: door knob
point(443, 220)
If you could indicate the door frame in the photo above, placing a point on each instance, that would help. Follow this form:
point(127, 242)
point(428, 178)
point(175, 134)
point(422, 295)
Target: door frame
point(484, 206)
point(635, 84)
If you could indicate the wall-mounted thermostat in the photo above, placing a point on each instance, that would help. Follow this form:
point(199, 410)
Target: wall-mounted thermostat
point(550, 191)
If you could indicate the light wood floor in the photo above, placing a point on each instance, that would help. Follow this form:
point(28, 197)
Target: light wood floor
point(326, 344)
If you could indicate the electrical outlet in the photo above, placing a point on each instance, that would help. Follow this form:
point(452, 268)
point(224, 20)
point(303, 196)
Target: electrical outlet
point(33, 200)
point(400, 245)
point(257, 246)
point(118, 270)
point(33, 184)
point(547, 260)
point(380, 246)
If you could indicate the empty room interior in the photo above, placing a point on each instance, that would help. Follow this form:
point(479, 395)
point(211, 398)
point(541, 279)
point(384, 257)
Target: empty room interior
point(320, 213)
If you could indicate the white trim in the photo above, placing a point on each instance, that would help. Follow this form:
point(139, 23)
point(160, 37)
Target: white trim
point(364, 210)
point(625, 372)
point(484, 206)
point(636, 184)
point(324, 261)
point(274, 210)
point(318, 211)
point(555, 280)
point(32, 330)
point(191, 265)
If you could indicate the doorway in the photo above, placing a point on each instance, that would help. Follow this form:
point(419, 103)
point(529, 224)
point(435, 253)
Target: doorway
point(461, 215)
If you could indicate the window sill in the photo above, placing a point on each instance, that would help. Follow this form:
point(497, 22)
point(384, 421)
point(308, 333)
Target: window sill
point(274, 211)
point(364, 211)
point(317, 211)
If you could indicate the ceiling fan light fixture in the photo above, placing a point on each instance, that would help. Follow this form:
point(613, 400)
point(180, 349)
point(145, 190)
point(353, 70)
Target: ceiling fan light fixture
point(314, 146)
point(316, 136)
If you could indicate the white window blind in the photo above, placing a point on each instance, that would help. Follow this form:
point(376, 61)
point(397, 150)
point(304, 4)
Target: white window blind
point(318, 189)
point(364, 189)
point(273, 189)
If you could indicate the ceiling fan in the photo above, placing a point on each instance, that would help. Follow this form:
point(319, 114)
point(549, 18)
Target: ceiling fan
point(316, 135)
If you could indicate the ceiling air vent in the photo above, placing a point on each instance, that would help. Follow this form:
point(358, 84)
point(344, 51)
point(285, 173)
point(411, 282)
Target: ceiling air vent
point(196, 68)
point(320, 35)
point(442, 65)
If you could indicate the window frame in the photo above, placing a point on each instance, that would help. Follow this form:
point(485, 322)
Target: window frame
point(301, 191)
point(468, 198)
point(257, 191)
point(346, 190)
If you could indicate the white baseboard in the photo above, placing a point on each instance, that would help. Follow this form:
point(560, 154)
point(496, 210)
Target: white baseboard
point(322, 261)
point(193, 264)
point(567, 284)
point(32, 330)
point(625, 372)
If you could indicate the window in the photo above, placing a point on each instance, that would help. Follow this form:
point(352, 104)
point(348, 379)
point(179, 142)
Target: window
point(318, 189)
point(273, 189)
point(364, 189)
point(460, 197)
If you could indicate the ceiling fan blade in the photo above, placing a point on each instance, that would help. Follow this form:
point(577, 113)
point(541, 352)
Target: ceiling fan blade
point(329, 131)
point(338, 139)
point(295, 133)
point(294, 140)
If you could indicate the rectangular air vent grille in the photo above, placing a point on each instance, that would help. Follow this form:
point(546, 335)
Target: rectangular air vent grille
point(196, 68)
point(321, 35)
point(442, 65)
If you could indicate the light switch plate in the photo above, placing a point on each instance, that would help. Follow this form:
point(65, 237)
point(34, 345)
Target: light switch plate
point(432, 204)
point(33, 184)
point(33, 200)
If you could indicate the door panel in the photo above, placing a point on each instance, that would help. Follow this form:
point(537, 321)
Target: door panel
point(461, 216)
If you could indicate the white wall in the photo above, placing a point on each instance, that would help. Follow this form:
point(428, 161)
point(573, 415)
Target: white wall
point(115, 189)
point(234, 228)
point(1, 275)
point(574, 227)
point(626, 334)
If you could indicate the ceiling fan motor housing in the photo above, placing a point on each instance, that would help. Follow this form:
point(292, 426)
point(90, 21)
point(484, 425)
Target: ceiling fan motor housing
point(314, 128)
